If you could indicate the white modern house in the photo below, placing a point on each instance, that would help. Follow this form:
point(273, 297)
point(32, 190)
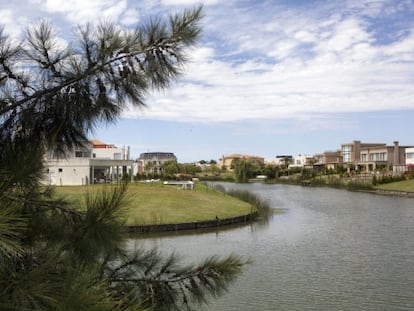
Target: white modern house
point(97, 162)
point(301, 161)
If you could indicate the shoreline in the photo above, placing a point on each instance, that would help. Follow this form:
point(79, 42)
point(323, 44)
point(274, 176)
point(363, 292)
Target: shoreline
point(378, 191)
point(398, 193)
point(215, 223)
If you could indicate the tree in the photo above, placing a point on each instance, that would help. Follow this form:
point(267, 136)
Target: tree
point(243, 169)
point(269, 171)
point(170, 168)
point(55, 255)
point(189, 169)
point(214, 169)
point(285, 162)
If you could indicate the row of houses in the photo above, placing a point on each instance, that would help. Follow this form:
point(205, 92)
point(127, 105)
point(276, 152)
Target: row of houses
point(355, 155)
point(98, 162)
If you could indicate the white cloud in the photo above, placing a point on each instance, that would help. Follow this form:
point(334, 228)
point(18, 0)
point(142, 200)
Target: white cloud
point(190, 2)
point(130, 18)
point(13, 24)
point(402, 50)
point(80, 11)
point(344, 35)
point(259, 60)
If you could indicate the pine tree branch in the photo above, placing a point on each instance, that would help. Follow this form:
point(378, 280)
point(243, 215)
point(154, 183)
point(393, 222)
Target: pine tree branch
point(163, 279)
point(155, 48)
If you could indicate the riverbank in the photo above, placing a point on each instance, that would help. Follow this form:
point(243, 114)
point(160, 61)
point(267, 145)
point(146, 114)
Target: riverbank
point(155, 204)
point(404, 188)
point(216, 223)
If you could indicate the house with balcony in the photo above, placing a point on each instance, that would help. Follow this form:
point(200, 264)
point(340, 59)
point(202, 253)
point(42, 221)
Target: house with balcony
point(95, 162)
point(374, 156)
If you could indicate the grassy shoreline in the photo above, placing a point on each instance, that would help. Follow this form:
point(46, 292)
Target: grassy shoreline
point(403, 186)
point(155, 203)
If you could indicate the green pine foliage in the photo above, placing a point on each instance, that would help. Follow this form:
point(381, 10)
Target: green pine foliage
point(56, 256)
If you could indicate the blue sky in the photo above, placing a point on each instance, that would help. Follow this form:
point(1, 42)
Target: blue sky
point(267, 78)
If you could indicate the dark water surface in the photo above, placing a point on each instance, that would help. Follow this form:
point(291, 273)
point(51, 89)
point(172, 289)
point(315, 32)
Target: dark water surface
point(330, 250)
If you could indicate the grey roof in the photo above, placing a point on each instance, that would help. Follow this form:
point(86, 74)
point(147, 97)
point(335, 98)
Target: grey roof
point(157, 155)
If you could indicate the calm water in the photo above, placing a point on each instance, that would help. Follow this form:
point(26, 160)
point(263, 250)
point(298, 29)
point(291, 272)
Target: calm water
point(330, 250)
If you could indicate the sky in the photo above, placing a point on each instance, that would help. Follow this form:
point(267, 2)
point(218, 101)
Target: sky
point(267, 78)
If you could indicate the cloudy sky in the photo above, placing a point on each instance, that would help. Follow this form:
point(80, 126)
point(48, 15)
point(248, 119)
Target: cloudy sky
point(267, 78)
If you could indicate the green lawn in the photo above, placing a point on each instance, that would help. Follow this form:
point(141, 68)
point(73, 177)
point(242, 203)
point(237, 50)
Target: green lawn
point(161, 204)
point(405, 185)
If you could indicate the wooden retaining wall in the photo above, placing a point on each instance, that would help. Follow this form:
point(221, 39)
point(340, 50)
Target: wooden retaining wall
point(395, 193)
point(191, 225)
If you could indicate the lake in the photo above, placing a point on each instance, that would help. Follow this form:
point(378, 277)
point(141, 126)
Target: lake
point(329, 250)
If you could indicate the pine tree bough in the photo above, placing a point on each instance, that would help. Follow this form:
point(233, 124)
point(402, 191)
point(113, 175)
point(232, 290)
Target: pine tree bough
point(57, 256)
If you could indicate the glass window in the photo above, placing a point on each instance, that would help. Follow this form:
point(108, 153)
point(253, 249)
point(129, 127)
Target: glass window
point(346, 153)
point(82, 154)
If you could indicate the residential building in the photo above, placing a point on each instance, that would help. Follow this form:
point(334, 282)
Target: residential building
point(351, 152)
point(383, 157)
point(102, 150)
point(409, 159)
point(283, 160)
point(151, 162)
point(374, 156)
point(92, 163)
point(328, 160)
point(227, 161)
point(302, 161)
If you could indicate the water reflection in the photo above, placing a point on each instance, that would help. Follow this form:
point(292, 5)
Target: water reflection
point(330, 250)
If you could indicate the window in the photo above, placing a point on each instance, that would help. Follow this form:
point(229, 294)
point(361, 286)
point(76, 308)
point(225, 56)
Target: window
point(409, 155)
point(82, 154)
point(380, 156)
point(60, 170)
point(117, 156)
point(346, 153)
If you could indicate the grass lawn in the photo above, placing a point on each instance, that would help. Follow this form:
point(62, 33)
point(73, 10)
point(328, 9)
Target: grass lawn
point(154, 203)
point(405, 185)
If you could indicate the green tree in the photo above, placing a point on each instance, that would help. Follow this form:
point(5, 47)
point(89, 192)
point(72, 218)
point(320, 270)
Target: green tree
point(269, 171)
point(285, 162)
point(189, 169)
point(243, 170)
point(170, 168)
point(214, 169)
point(55, 255)
point(149, 168)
